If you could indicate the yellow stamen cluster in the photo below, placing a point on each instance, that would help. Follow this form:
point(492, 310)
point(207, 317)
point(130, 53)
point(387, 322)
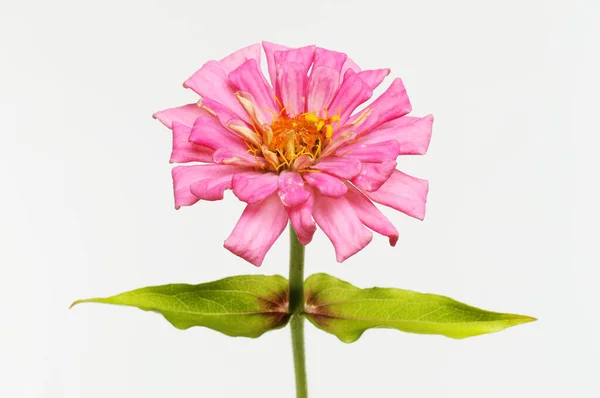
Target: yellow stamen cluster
point(288, 138)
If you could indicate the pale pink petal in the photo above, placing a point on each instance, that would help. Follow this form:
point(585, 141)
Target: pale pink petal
point(234, 60)
point(302, 55)
point(209, 133)
point(327, 184)
point(302, 162)
point(245, 132)
point(404, 193)
point(412, 133)
point(185, 151)
point(374, 77)
point(235, 157)
point(370, 216)
point(212, 188)
point(374, 153)
point(254, 186)
point(247, 77)
point(338, 141)
point(292, 70)
point(361, 122)
point(291, 81)
point(211, 81)
point(336, 217)
point(258, 228)
point(351, 94)
point(185, 176)
point(349, 65)
point(322, 87)
point(292, 190)
point(185, 115)
point(393, 103)
point(259, 116)
point(221, 112)
point(346, 168)
point(331, 59)
point(270, 49)
point(373, 175)
point(302, 221)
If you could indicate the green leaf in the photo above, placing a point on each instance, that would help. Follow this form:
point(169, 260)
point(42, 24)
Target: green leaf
point(247, 305)
point(346, 311)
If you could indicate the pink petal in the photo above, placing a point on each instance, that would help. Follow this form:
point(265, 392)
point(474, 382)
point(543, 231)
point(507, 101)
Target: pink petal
point(292, 70)
point(221, 112)
point(302, 162)
point(247, 77)
point(373, 175)
point(338, 141)
point(291, 82)
point(209, 133)
point(245, 132)
point(302, 221)
point(235, 157)
point(259, 116)
point(351, 94)
point(345, 168)
point(185, 115)
point(393, 103)
point(374, 77)
point(255, 186)
point(185, 151)
point(234, 60)
point(336, 217)
point(375, 153)
point(350, 65)
point(361, 122)
point(292, 190)
point(270, 49)
point(185, 176)
point(211, 81)
point(331, 59)
point(302, 55)
point(322, 87)
point(212, 188)
point(404, 193)
point(258, 228)
point(327, 184)
point(370, 216)
point(412, 133)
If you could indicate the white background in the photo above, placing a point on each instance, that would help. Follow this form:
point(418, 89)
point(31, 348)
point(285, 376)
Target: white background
point(86, 207)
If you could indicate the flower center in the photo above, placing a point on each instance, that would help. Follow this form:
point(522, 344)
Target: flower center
point(289, 138)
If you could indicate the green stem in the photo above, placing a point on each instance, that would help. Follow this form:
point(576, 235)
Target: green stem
point(296, 308)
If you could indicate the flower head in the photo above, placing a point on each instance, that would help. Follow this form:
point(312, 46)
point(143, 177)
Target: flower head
point(298, 150)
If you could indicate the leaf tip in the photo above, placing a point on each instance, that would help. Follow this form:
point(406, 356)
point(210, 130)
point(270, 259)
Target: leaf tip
point(81, 301)
point(526, 319)
point(74, 303)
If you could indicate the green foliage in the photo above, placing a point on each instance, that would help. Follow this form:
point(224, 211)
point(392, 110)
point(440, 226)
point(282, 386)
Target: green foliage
point(346, 311)
point(247, 305)
point(250, 305)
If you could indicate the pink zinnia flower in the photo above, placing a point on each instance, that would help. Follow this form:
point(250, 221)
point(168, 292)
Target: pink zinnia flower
point(298, 150)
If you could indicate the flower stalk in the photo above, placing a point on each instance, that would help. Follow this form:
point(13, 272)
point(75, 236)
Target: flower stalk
point(296, 308)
